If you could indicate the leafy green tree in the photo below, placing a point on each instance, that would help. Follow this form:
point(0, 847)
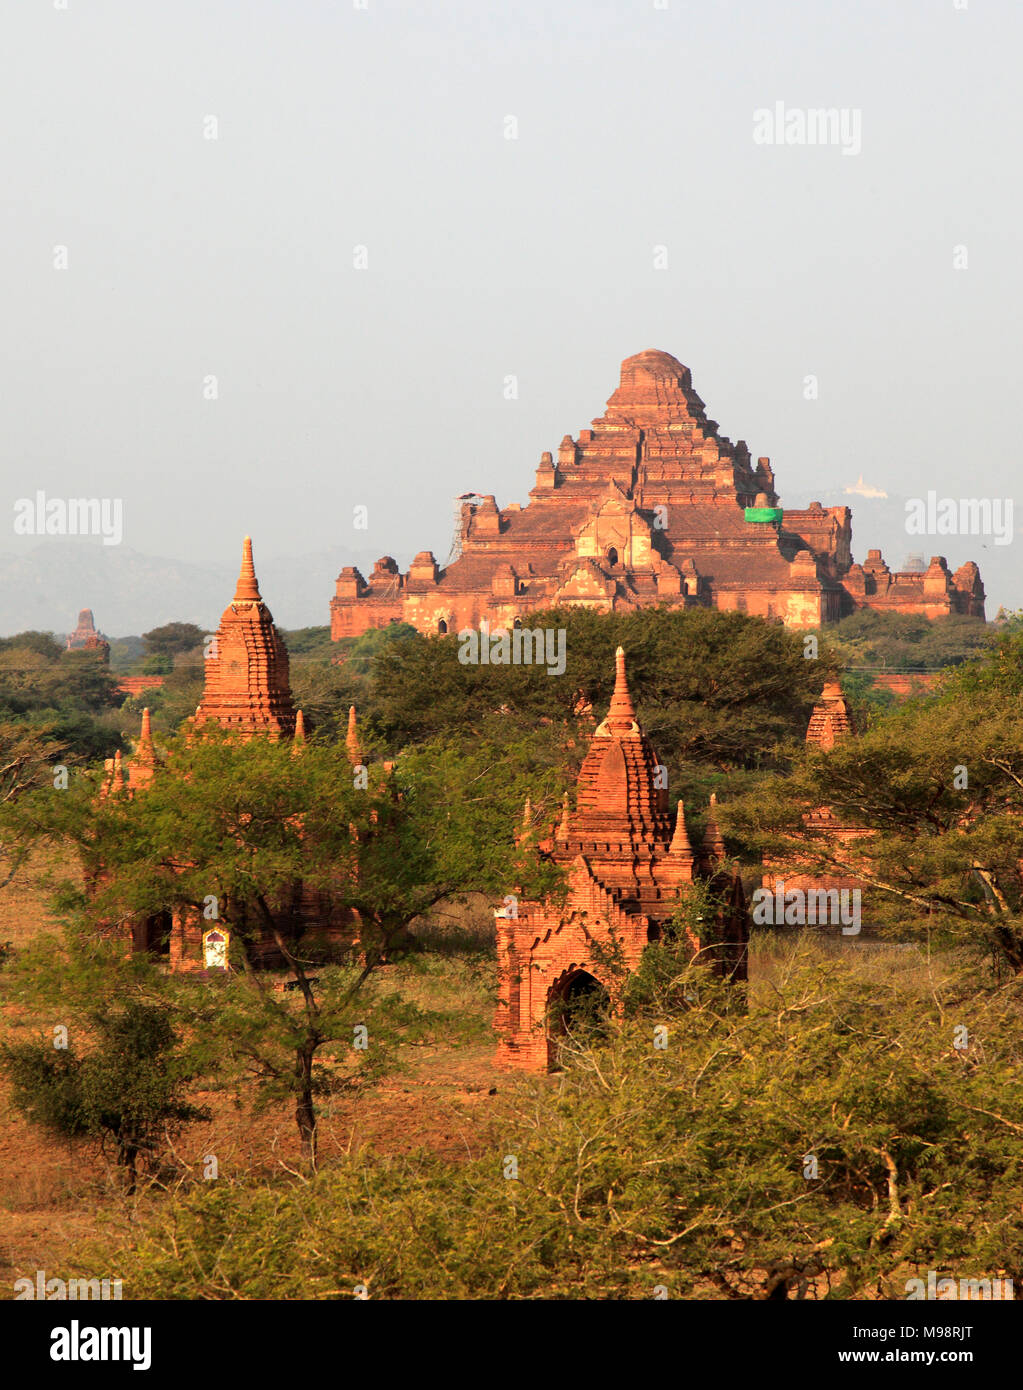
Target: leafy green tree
point(250, 826)
point(308, 643)
point(70, 694)
point(172, 639)
point(902, 641)
point(844, 1135)
point(935, 790)
point(44, 644)
point(711, 688)
point(128, 1089)
point(28, 758)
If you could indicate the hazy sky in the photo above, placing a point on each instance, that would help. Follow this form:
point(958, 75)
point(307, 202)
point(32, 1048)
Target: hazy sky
point(385, 127)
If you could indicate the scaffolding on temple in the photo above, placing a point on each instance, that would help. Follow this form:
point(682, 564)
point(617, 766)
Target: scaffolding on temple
point(473, 499)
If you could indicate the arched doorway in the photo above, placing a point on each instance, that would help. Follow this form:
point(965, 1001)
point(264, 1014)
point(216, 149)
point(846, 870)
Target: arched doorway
point(577, 1009)
point(611, 557)
point(152, 934)
point(442, 627)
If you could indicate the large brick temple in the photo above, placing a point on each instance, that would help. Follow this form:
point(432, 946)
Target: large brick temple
point(652, 505)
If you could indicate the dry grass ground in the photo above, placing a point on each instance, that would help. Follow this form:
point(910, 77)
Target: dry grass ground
point(53, 1197)
point(24, 902)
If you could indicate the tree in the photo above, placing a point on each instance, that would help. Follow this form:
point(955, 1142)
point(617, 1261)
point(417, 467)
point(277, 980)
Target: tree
point(69, 694)
point(936, 788)
point(714, 689)
point(172, 639)
point(129, 1088)
point(246, 826)
point(841, 1138)
point(42, 643)
point(28, 758)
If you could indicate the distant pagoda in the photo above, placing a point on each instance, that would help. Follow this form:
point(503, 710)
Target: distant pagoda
point(85, 638)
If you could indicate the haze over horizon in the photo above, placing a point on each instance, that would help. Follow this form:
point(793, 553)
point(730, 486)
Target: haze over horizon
point(633, 209)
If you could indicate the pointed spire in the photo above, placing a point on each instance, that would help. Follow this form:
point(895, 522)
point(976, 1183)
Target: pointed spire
point(299, 727)
point(352, 738)
point(248, 589)
point(143, 763)
point(564, 829)
point(713, 840)
point(680, 843)
point(622, 713)
point(145, 750)
point(117, 782)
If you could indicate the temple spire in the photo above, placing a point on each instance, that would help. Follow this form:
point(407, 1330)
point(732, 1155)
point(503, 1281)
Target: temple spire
point(831, 719)
point(246, 687)
point(299, 727)
point(117, 781)
point(621, 713)
point(247, 590)
point(352, 737)
point(145, 747)
point(713, 840)
point(680, 843)
point(564, 829)
point(143, 763)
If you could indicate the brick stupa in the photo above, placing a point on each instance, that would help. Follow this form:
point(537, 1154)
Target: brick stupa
point(247, 681)
point(652, 505)
point(627, 861)
point(85, 638)
point(831, 721)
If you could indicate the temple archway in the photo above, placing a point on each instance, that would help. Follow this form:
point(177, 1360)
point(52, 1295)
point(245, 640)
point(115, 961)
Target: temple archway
point(577, 1005)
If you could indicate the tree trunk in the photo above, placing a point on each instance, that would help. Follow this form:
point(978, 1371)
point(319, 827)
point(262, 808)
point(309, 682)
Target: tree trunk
point(305, 1110)
point(128, 1157)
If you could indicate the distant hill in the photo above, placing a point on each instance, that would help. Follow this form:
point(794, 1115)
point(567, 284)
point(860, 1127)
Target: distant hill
point(45, 586)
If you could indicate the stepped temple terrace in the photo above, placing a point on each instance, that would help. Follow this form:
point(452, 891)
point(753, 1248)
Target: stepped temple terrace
point(652, 505)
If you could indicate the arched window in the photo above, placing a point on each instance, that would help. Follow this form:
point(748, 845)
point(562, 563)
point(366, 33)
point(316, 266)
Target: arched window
point(611, 557)
point(442, 626)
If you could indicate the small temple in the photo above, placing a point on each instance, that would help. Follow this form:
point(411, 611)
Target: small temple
point(628, 861)
point(650, 506)
point(247, 684)
point(85, 638)
point(831, 720)
point(247, 689)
